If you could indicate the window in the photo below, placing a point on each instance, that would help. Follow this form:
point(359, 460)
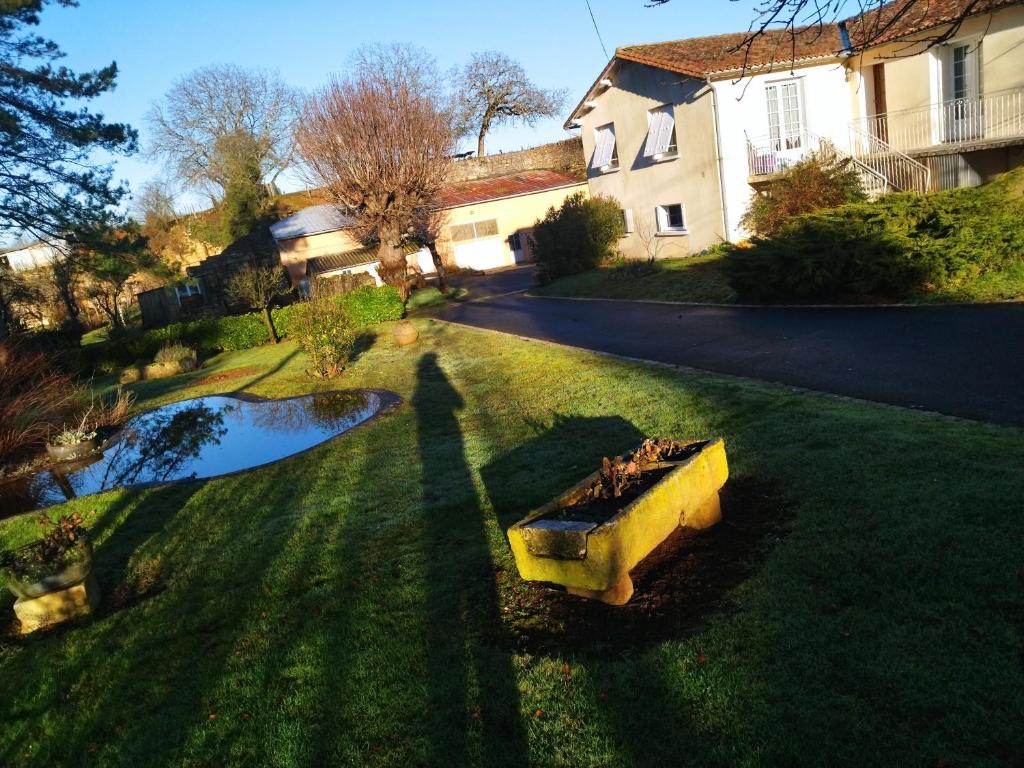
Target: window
point(785, 123)
point(474, 230)
point(627, 220)
point(671, 218)
point(187, 289)
point(515, 242)
point(606, 154)
point(661, 133)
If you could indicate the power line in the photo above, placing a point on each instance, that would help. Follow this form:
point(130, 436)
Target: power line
point(598, 31)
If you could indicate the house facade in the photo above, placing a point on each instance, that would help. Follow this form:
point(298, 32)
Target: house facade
point(483, 224)
point(486, 223)
point(682, 133)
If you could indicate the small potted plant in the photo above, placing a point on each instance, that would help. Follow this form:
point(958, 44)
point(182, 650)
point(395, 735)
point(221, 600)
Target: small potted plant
point(74, 442)
point(60, 559)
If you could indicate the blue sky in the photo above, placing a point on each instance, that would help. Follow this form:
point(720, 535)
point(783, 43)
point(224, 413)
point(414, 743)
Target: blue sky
point(155, 42)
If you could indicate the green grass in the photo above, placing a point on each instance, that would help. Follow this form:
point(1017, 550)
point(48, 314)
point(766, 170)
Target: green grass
point(353, 605)
point(431, 296)
point(697, 278)
point(96, 335)
point(700, 279)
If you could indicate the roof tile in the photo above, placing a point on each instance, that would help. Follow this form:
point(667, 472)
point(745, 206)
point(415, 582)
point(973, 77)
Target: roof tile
point(509, 185)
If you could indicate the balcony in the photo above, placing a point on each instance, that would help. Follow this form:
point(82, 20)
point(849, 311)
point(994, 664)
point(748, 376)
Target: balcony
point(768, 156)
point(947, 127)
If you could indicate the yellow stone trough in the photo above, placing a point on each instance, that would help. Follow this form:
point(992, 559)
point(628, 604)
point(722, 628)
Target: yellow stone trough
point(594, 559)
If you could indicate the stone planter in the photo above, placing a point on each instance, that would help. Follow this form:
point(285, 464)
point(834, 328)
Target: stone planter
point(69, 592)
point(594, 559)
point(405, 333)
point(168, 368)
point(72, 452)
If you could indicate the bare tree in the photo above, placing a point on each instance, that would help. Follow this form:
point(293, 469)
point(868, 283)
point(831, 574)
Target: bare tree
point(867, 22)
point(493, 89)
point(380, 148)
point(647, 234)
point(219, 118)
point(258, 287)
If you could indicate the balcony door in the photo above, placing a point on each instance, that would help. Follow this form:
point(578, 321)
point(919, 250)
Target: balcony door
point(785, 121)
point(962, 112)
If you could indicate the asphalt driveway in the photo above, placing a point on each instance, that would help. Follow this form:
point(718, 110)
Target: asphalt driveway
point(959, 360)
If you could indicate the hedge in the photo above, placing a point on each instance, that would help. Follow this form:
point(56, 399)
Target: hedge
point(890, 249)
point(366, 306)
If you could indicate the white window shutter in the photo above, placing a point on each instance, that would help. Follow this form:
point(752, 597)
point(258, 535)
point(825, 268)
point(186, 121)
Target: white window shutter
point(604, 146)
point(662, 219)
point(653, 129)
point(668, 122)
point(627, 220)
point(659, 131)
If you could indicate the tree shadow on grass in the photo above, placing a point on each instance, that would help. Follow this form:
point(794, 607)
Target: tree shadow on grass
point(461, 596)
point(364, 342)
point(132, 686)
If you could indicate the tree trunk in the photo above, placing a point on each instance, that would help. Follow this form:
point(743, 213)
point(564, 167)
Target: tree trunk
point(480, 141)
point(269, 320)
point(442, 279)
point(393, 267)
point(63, 278)
point(5, 317)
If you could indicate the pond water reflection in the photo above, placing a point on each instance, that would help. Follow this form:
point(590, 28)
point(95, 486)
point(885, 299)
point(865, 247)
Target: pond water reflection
point(197, 439)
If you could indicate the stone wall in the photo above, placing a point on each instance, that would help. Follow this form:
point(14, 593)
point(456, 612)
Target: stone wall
point(564, 155)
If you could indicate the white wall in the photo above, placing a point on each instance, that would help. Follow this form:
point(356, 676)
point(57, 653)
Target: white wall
point(743, 111)
point(30, 257)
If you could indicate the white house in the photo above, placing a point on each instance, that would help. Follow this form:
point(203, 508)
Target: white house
point(681, 133)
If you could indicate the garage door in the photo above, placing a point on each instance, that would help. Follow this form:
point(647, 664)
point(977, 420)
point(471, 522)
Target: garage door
point(486, 253)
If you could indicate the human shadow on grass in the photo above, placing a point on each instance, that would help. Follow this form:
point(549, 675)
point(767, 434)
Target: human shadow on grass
point(461, 595)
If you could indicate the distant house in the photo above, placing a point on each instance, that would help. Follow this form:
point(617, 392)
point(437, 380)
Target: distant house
point(486, 225)
point(683, 132)
point(25, 256)
point(488, 222)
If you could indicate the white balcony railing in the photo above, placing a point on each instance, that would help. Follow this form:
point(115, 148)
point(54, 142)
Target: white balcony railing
point(768, 155)
point(955, 123)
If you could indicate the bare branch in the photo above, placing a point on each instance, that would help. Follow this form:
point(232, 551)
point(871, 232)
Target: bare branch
point(218, 118)
point(493, 90)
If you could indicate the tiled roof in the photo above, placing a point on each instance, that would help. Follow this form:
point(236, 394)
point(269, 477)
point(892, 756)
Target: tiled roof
point(320, 264)
point(348, 259)
point(703, 56)
point(509, 185)
point(905, 17)
point(311, 221)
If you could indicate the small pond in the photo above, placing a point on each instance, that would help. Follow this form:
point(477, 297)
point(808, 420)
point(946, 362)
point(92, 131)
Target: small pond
point(198, 439)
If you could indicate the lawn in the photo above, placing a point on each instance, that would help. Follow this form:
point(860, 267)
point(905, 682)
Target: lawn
point(700, 279)
point(358, 604)
point(697, 278)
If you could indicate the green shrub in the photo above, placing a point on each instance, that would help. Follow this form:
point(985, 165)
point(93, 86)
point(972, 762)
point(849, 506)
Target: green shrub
point(173, 353)
point(364, 306)
point(821, 180)
point(370, 306)
point(326, 332)
point(889, 249)
point(579, 236)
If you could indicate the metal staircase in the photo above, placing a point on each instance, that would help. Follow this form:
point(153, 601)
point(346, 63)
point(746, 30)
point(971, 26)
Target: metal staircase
point(902, 172)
